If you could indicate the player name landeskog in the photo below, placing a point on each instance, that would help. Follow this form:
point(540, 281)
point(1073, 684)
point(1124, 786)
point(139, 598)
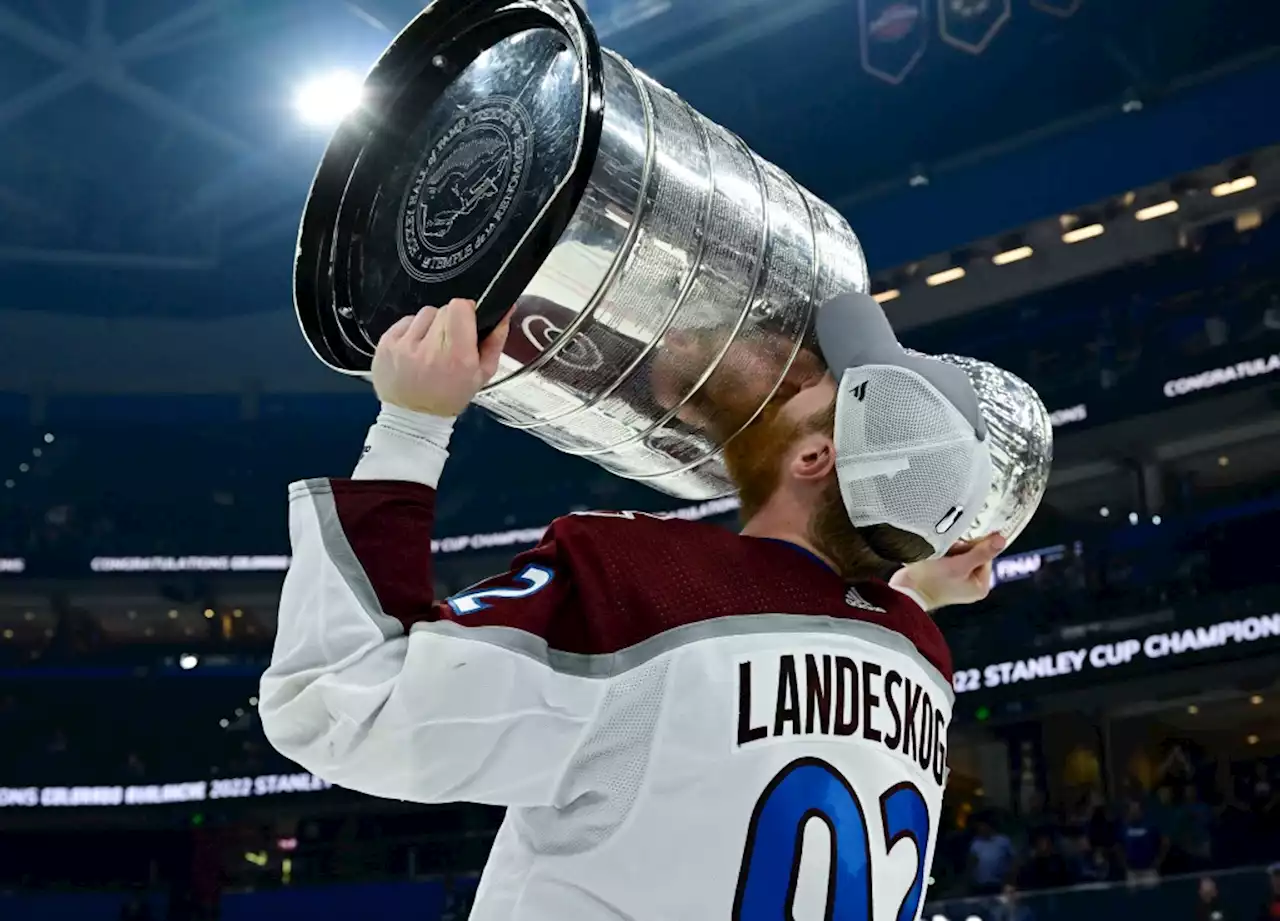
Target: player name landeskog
point(831, 695)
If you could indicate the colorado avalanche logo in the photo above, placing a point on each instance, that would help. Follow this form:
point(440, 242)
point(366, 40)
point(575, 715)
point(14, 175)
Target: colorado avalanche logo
point(895, 22)
point(579, 353)
point(463, 190)
point(893, 36)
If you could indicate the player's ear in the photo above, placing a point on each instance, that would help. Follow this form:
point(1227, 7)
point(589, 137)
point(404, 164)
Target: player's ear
point(813, 457)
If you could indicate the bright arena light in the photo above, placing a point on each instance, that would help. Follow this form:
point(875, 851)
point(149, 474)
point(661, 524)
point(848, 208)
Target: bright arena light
point(1087, 232)
point(1013, 255)
point(188, 661)
point(946, 276)
point(1243, 184)
point(326, 100)
point(1152, 212)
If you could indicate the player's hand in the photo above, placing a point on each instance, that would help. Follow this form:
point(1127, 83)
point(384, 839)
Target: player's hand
point(963, 576)
point(432, 363)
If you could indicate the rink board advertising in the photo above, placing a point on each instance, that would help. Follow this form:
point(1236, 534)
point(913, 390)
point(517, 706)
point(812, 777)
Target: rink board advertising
point(1229, 373)
point(192, 791)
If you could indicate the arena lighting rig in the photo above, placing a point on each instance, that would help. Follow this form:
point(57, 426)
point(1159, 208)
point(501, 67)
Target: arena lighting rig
point(1018, 263)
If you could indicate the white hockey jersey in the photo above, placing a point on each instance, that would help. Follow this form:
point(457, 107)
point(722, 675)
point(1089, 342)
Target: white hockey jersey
point(684, 722)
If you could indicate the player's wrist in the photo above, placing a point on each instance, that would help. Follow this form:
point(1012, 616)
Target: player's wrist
point(409, 423)
point(904, 581)
point(406, 446)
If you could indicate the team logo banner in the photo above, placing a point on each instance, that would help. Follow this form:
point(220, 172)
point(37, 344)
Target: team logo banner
point(894, 36)
point(970, 25)
point(1062, 8)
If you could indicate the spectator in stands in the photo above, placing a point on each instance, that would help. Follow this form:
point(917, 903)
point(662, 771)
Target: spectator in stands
point(1176, 768)
point(1191, 831)
point(134, 769)
point(1046, 868)
point(1261, 787)
point(1208, 908)
point(56, 762)
point(1235, 831)
point(1268, 823)
point(1142, 849)
point(990, 858)
point(1086, 863)
point(1270, 318)
point(457, 900)
point(1160, 809)
point(1036, 818)
point(1270, 910)
point(1009, 907)
point(1102, 828)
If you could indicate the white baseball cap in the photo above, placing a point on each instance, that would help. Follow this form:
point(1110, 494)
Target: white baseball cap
point(911, 441)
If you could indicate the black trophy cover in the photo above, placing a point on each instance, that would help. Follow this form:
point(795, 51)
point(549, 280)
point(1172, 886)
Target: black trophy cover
point(462, 169)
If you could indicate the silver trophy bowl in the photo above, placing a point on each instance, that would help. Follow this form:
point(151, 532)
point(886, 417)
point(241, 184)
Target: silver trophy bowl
point(663, 278)
point(1020, 436)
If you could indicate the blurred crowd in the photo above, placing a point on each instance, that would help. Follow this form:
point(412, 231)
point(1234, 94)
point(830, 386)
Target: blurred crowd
point(1189, 824)
point(214, 481)
point(1178, 309)
point(81, 731)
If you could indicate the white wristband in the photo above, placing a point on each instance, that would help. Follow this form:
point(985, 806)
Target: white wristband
point(407, 446)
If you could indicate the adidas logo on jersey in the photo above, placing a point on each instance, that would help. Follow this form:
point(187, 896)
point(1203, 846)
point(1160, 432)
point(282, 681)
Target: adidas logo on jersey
point(855, 600)
point(859, 391)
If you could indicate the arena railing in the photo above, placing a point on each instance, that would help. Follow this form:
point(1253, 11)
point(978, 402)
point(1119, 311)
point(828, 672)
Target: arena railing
point(1242, 893)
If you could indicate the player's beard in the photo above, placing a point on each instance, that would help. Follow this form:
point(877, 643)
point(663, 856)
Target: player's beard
point(742, 375)
point(755, 457)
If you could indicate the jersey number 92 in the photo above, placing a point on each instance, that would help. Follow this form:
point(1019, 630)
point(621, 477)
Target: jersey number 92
point(810, 788)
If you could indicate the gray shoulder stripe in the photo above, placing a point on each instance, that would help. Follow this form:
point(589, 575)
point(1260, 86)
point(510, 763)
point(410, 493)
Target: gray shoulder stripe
point(312, 487)
point(339, 550)
point(613, 664)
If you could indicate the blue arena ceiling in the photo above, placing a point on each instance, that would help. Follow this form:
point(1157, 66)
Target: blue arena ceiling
point(151, 163)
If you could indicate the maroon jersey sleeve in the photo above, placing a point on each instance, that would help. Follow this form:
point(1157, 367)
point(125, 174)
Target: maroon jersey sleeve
point(376, 685)
point(388, 526)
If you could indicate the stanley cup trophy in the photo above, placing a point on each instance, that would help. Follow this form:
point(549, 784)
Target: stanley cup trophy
point(664, 278)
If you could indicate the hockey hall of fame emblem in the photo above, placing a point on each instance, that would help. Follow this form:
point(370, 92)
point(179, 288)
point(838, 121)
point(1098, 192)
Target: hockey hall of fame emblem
point(464, 188)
